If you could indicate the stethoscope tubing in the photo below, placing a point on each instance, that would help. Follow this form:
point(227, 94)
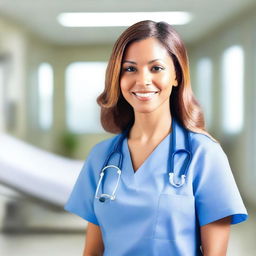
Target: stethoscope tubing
point(172, 152)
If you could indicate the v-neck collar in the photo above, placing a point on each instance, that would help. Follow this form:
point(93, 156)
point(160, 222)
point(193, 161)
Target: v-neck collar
point(164, 144)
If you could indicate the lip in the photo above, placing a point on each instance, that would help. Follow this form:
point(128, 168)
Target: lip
point(144, 91)
point(140, 98)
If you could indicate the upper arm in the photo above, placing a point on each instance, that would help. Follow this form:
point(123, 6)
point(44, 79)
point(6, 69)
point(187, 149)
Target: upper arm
point(214, 237)
point(93, 244)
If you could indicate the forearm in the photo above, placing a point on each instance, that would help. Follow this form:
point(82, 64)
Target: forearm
point(216, 248)
point(215, 237)
point(217, 253)
point(93, 241)
point(86, 253)
point(92, 254)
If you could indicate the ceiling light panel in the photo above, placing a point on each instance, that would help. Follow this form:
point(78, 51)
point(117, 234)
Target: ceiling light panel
point(120, 19)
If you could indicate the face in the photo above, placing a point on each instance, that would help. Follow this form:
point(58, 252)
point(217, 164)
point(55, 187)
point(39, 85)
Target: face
point(148, 75)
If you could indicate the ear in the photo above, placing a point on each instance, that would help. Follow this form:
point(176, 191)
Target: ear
point(175, 84)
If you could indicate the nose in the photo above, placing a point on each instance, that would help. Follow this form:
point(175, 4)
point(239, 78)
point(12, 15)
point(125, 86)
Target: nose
point(144, 77)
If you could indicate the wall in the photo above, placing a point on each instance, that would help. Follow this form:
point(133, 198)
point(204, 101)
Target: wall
point(240, 148)
point(13, 50)
point(26, 52)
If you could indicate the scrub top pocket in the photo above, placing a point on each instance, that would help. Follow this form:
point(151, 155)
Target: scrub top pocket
point(175, 217)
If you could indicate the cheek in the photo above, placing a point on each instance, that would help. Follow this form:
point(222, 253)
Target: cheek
point(124, 84)
point(164, 82)
point(123, 87)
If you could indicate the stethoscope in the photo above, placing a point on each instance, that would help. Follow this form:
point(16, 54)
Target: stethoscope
point(184, 148)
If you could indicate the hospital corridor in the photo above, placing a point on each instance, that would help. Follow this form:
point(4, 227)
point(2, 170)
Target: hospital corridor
point(53, 63)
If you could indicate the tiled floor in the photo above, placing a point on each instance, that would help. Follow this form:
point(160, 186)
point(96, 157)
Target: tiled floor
point(242, 242)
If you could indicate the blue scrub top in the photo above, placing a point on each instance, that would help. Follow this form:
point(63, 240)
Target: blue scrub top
point(150, 217)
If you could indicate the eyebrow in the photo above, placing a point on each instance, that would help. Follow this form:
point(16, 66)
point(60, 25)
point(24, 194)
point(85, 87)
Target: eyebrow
point(133, 62)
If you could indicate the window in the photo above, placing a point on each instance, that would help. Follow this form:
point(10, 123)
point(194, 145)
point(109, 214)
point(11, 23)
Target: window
point(232, 89)
point(45, 89)
point(84, 83)
point(1, 97)
point(204, 83)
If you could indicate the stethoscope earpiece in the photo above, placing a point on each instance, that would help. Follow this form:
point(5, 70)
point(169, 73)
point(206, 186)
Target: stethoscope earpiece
point(172, 182)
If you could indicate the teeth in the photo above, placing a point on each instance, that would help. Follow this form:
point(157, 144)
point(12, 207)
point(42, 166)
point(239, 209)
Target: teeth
point(145, 94)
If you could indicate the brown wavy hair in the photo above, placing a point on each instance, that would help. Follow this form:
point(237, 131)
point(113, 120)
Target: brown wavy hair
point(117, 113)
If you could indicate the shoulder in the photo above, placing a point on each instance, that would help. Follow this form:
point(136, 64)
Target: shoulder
point(209, 160)
point(103, 147)
point(97, 156)
point(202, 144)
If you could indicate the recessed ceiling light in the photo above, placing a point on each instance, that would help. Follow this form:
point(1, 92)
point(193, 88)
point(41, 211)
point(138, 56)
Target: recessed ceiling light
point(120, 19)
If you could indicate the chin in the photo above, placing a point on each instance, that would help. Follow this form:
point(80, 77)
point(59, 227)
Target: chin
point(144, 110)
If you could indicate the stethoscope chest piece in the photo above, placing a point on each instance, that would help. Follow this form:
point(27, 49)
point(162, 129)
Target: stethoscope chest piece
point(103, 197)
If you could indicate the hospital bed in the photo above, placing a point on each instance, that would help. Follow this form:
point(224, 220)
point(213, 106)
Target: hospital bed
point(36, 173)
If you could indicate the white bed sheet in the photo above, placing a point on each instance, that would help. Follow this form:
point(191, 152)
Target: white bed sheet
point(37, 172)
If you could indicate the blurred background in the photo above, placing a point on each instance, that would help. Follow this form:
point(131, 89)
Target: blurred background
point(52, 68)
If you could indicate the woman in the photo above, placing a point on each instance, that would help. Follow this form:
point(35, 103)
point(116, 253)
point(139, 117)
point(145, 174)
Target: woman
point(149, 203)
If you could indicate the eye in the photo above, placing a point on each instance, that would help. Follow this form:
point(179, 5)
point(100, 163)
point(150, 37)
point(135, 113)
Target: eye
point(129, 69)
point(157, 68)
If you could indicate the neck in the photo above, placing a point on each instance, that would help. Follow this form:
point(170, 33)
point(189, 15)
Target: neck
point(150, 126)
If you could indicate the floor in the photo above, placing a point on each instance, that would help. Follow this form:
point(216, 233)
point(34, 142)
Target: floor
point(41, 245)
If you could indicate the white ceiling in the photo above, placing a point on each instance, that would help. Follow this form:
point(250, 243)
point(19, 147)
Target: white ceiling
point(39, 16)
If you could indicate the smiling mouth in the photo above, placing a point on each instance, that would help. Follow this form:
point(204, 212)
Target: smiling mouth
point(145, 94)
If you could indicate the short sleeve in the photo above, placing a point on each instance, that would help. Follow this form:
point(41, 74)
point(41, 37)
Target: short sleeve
point(215, 189)
point(81, 199)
